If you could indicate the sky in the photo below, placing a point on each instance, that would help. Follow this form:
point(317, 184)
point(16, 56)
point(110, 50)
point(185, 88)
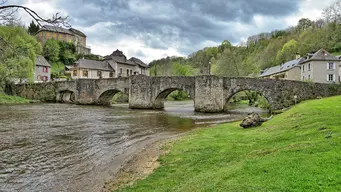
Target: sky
point(153, 29)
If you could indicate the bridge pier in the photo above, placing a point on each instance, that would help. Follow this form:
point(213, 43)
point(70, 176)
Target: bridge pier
point(209, 94)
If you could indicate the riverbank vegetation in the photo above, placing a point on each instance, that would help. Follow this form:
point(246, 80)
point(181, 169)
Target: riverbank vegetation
point(8, 99)
point(298, 150)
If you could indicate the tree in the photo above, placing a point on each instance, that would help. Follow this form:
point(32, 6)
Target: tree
point(17, 54)
point(33, 28)
point(51, 50)
point(288, 52)
point(304, 24)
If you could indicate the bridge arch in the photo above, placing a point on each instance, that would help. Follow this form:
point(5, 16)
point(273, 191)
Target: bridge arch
point(159, 101)
point(105, 97)
point(258, 91)
point(66, 96)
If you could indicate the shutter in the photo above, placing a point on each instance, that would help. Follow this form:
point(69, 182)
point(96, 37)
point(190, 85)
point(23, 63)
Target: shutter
point(327, 65)
point(327, 77)
point(334, 65)
point(334, 77)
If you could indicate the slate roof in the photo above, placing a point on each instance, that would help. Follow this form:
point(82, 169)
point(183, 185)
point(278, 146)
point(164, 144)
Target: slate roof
point(322, 55)
point(73, 30)
point(119, 57)
point(138, 62)
point(41, 61)
point(284, 67)
point(55, 29)
point(92, 64)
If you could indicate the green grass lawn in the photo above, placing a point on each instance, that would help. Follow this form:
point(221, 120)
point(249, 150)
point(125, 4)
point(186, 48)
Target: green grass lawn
point(299, 150)
point(7, 99)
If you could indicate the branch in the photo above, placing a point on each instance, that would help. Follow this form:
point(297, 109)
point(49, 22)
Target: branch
point(56, 19)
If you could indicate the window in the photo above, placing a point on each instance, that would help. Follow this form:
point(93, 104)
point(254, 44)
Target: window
point(308, 76)
point(99, 74)
point(121, 71)
point(330, 66)
point(330, 77)
point(111, 74)
point(309, 67)
point(45, 70)
point(131, 72)
point(127, 72)
point(74, 72)
point(303, 68)
point(85, 73)
point(303, 78)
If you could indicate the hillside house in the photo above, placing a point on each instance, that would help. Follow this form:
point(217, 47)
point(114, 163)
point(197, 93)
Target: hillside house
point(288, 71)
point(68, 35)
point(321, 67)
point(113, 66)
point(42, 70)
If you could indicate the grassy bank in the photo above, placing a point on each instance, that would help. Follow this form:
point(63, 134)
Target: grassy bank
point(299, 150)
point(7, 99)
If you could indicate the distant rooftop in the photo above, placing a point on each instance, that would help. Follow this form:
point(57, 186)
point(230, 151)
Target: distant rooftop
point(41, 61)
point(283, 67)
point(58, 29)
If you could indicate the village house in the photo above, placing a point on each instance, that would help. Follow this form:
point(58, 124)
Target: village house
point(113, 66)
point(42, 70)
point(288, 71)
point(68, 35)
point(321, 67)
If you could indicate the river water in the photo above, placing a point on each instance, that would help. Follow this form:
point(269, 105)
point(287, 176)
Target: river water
point(61, 147)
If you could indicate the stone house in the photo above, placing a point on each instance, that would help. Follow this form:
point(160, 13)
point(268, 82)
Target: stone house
point(68, 35)
point(289, 70)
point(42, 70)
point(113, 66)
point(321, 67)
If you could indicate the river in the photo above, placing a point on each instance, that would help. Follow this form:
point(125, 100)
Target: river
point(63, 147)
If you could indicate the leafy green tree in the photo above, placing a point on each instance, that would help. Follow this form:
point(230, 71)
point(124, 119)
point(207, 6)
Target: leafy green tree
point(18, 52)
point(288, 52)
point(33, 28)
point(51, 50)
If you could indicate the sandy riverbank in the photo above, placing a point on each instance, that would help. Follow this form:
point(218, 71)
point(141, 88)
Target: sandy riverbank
point(142, 164)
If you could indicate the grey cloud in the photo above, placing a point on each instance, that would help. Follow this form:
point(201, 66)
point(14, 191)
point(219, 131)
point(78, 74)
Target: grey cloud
point(173, 23)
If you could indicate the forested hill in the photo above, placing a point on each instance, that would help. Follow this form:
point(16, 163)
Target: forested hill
point(260, 51)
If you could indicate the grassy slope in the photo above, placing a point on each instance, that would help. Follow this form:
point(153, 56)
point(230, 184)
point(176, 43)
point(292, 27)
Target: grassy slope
point(299, 150)
point(7, 99)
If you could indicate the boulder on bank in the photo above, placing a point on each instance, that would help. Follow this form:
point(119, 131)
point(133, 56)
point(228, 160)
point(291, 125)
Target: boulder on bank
point(253, 120)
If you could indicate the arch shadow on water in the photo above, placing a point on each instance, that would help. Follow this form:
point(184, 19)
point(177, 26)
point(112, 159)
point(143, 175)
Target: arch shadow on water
point(106, 97)
point(248, 99)
point(161, 98)
point(66, 96)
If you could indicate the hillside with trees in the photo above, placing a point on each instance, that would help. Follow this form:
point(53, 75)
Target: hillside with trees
point(261, 51)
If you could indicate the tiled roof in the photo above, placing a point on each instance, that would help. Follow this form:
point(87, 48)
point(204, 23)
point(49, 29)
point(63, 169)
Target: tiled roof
point(281, 68)
point(41, 61)
point(119, 57)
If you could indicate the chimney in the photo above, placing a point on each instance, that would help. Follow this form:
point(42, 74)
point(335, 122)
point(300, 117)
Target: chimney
point(298, 56)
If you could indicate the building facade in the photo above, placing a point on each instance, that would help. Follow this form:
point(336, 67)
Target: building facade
point(68, 35)
point(288, 71)
point(113, 66)
point(42, 70)
point(321, 67)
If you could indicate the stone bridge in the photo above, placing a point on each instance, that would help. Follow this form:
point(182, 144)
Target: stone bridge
point(209, 93)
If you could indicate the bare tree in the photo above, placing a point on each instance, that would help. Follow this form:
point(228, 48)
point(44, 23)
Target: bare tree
point(7, 13)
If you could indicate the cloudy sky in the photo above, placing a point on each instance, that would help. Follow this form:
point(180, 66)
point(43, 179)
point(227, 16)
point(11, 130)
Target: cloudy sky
point(152, 29)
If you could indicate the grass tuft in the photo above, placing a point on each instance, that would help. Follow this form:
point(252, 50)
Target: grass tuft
point(8, 99)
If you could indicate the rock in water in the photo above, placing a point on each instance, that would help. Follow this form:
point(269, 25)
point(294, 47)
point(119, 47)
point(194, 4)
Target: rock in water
point(252, 120)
